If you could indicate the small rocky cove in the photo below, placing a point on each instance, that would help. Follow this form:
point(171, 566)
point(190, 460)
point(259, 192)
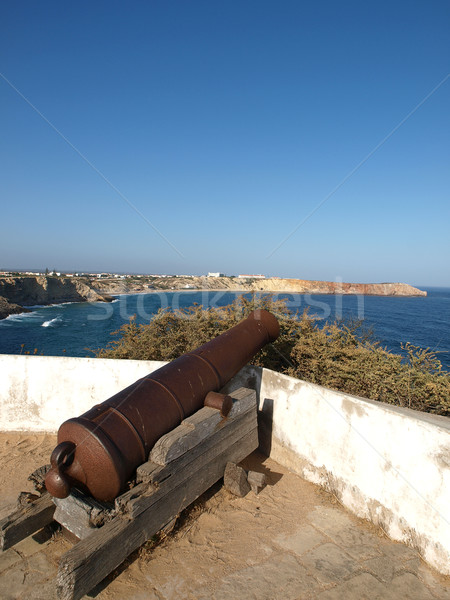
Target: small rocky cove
point(16, 293)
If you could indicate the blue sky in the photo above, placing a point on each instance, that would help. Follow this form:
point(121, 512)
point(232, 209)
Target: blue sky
point(213, 129)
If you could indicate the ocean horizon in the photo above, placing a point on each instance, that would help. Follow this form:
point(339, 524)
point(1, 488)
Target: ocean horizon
point(78, 329)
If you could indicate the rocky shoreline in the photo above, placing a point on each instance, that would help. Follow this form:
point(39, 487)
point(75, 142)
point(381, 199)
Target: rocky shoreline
point(16, 293)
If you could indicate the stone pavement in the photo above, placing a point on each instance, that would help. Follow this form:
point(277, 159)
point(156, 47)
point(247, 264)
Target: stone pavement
point(292, 541)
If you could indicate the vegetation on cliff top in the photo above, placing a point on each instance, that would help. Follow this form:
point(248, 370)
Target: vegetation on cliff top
point(341, 356)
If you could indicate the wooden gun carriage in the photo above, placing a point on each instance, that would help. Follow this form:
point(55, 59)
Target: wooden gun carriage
point(125, 469)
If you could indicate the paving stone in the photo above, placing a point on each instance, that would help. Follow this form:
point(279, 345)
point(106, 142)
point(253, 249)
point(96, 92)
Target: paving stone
point(39, 568)
point(398, 551)
point(302, 540)
point(329, 519)
point(46, 590)
point(360, 544)
point(360, 587)
point(409, 587)
point(203, 593)
point(329, 563)
point(412, 565)
point(382, 567)
point(8, 558)
point(280, 577)
point(30, 546)
point(173, 588)
point(25, 578)
point(438, 584)
point(11, 584)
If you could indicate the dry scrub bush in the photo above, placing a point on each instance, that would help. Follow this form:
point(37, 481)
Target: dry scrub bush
point(340, 356)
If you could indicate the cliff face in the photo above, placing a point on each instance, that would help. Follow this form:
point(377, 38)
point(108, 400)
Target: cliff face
point(301, 286)
point(9, 308)
point(17, 292)
point(298, 286)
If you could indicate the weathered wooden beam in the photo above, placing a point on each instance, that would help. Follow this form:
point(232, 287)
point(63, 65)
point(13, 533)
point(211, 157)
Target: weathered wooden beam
point(188, 465)
point(93, 558)
point(200, 426)
point(195, 469)
point(215, 436)
point(37, 478)
point(26, 521)
point(80, 514)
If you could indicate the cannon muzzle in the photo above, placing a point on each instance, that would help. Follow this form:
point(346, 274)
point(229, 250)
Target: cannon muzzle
point(99, 451)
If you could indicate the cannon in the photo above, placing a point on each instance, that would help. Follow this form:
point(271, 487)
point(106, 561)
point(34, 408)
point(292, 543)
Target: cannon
point(99, 451)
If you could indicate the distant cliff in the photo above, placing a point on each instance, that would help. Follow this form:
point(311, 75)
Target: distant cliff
point(302, 286)
point(19, 292)
point(274, 285)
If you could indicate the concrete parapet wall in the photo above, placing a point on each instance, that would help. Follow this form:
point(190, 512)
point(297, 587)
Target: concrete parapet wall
point(387, 464)
point(38, 393)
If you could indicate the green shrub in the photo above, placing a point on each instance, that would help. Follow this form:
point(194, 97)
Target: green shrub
point(341, 356)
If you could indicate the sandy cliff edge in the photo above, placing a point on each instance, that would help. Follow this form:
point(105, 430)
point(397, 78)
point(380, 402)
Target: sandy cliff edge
point(19, 292)
point(270, 285)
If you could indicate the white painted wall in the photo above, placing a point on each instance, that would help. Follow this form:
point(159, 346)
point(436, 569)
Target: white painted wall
point(387, 464)
point(38, 393)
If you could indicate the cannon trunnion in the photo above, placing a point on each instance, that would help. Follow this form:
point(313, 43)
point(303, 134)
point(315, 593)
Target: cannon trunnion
point(99, 451)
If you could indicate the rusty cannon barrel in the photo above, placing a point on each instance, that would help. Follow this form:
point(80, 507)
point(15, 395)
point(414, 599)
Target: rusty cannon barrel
point(99, 451)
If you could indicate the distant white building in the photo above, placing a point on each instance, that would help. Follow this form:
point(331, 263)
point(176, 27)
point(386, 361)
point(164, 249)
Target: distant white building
point(251, 276)
point(216, 275)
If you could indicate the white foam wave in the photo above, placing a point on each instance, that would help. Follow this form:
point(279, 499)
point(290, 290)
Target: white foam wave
point(51, 322)
point(35, 306)
point(19, 317)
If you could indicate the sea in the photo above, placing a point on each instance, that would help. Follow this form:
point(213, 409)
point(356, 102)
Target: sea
point(78, 329)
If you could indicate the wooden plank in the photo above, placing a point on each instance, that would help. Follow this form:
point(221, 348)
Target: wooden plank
point(242, 393)
point(38, 478)
point(164, 478)
point(26, 520)
point(81, 514)
point(157, 473)
point(93, 558)
point(182, 470)
point(243, 411)
point(145, 472)
point(198, 427)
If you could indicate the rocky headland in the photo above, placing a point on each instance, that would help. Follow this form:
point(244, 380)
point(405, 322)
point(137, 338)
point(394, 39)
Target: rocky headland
point(10, 308)
point(271, 285)
point(16, 293)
